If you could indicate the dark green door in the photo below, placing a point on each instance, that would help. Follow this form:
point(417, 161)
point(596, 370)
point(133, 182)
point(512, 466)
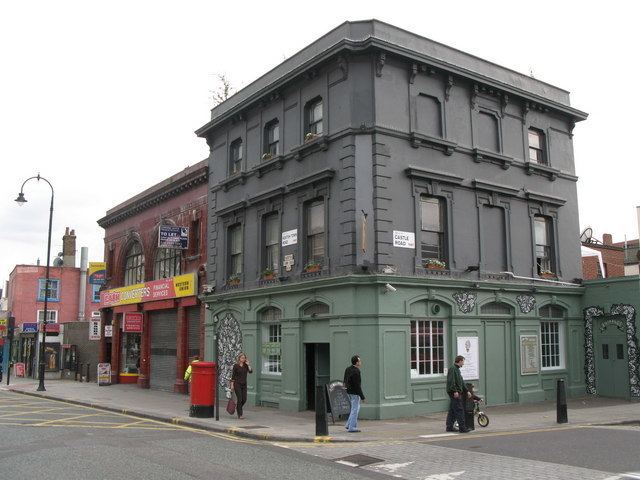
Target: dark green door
point(498, 371)
point(612, 365)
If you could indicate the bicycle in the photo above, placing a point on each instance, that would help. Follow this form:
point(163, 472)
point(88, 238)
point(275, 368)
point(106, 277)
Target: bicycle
point(483, 418)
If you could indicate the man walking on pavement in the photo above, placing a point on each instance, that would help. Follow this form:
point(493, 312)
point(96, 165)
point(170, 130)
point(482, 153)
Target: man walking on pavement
point(456, 391)
point(352, 382)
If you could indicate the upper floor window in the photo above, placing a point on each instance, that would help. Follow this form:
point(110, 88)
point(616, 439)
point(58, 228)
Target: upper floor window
point(272, 138)
point(194, 241)
point(488, 131)
point(314, 230)
point(537, 147)
point(235, 157)
point(314, 309)
point(271, 253)
point(432, 234)
point(544, 250)
point(134, 265)
point(95, 293)
point(313, 113)
point(167, 263)
point(235, 250)
point(52, 316)
point(54, 290)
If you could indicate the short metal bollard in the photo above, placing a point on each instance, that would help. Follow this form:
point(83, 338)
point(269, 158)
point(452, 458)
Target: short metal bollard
point(561, 403)
point(322, 422)
point(88, 378)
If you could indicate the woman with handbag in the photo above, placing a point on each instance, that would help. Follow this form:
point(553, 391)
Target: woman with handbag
point(239, 382)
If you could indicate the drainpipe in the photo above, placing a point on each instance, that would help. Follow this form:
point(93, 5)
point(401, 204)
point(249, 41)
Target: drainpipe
point(84, 255)
point(555, 282)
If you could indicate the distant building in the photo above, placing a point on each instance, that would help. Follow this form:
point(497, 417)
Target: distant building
point(152, 317)
point(71, 299)
point(602, 259)
point(631, 256)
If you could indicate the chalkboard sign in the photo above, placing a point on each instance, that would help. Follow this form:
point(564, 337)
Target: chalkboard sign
point(339, 403)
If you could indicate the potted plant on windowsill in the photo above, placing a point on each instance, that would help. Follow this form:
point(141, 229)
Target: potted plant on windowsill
point(310, 137)
point(267, 156)
point(268, 274)
point(434, 264)
point(312, 266)
point(233, 280)
point(547, 274)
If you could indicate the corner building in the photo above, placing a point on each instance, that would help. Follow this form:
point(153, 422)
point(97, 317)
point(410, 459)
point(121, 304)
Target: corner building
point(151, 315)
point(382, 194)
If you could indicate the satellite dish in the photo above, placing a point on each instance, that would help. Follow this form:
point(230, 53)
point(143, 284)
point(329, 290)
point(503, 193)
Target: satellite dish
point(585, 236)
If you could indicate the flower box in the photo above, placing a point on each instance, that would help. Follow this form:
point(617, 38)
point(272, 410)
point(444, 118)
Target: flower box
point(312, 267)
point(233, 281)
point(549, 275)
point(268, 275)
point(435, 265)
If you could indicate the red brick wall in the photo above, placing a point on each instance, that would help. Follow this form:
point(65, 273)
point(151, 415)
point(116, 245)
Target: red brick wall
point(612, 257)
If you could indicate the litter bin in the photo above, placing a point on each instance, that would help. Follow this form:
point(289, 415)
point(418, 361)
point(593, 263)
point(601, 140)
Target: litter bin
point(203, 396)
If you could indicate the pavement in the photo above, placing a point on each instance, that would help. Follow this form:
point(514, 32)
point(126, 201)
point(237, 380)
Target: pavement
point(265, 423)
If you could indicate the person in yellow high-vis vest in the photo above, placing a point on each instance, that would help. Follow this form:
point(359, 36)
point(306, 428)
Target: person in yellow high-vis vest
point(187, 373)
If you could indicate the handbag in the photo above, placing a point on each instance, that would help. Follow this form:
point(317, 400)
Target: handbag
point(231, 406)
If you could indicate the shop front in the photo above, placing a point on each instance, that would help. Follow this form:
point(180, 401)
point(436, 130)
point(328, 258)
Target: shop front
point(155, 330)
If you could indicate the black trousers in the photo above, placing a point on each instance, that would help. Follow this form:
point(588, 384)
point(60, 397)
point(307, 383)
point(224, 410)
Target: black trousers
point(456, 413)
point(241, 397)
point(469, 420)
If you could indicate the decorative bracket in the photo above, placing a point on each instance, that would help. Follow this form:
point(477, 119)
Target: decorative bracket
point(448, 87)
point(380, 62)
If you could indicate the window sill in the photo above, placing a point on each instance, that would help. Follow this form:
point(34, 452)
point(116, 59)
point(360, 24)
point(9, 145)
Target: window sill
point(544, 170)
point(553, 370)
point(271, 375)
point(419, 140)
point(274, 163)
point(428, 379)
point(319, 143)
point(480, 155)
point(239, 178)
point(317, 273)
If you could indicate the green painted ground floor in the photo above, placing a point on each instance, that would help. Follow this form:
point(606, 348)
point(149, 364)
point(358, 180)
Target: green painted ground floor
point(518, 340)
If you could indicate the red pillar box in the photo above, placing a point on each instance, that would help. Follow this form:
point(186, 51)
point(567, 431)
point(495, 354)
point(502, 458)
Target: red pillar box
point(203, 381)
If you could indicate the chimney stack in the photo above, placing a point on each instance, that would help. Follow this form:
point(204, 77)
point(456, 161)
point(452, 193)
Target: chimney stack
point(607, 239)
point(69, 248)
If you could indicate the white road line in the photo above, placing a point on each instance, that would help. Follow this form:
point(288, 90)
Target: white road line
point(437, 435)
point(348, 464)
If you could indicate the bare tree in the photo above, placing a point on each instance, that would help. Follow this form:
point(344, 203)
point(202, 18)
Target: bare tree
point(222, 91)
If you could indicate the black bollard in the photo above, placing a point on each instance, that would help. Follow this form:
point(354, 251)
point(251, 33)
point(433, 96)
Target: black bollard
point(561, 403)
point(322, 423)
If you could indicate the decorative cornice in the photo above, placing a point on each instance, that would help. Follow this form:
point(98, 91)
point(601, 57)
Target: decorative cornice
point(231, 208)
point(421, 173)
point(419, 140)
point(480, 155)
point(154, 198)
point(322, 175)
point(541, 197)
point(495, 187)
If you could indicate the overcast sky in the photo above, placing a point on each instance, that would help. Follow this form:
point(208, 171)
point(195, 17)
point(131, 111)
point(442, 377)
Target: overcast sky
point(102, 98)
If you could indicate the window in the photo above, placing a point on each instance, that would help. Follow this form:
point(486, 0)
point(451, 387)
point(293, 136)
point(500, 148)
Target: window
point(194, 242)
point(488, 137)
point(313, 112)
point(167, 263)
point(495, 308)
point(235, 157)
point(544, 257)
point(552, 337)
point(95, 290)
point(536, 147)
point(432, 228)
point(272, 138)
point(315, 249)
point(54, 290)
point(271, 258)
point(427, 347)
point(134, 265)
point(314, 309)
point(272, 340)
point(52, 316)
point(235, 250)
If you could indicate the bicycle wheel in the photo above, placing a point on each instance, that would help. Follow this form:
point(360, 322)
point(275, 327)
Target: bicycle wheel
point(483, 420)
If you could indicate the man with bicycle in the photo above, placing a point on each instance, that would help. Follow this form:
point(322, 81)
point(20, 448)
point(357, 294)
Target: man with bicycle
point(457, 393)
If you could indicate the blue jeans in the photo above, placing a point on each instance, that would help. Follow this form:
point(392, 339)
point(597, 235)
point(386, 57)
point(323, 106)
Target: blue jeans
point(352, 421)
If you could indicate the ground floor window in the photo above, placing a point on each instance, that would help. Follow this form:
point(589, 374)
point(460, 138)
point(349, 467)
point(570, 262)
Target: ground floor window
point(551, 344)
point(272, 340)
point(427, 347)
point(130, 352)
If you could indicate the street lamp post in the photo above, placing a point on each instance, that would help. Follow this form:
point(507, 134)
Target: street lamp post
point(21, 201)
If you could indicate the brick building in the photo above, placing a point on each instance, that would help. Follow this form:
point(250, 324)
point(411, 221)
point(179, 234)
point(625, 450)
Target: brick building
point(149, 304)
point(71, 299)
point(602, 259)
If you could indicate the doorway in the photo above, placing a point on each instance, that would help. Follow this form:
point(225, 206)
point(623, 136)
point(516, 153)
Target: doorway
point(317, 372)
point(498, 362)
point(611, 355)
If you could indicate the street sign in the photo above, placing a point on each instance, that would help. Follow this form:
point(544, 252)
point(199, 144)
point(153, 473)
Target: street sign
point(29, 328)
point(170, 236)
point(94, 330)
point(108, 331)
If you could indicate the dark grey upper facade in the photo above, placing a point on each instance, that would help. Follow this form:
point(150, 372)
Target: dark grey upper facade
point(365, 127)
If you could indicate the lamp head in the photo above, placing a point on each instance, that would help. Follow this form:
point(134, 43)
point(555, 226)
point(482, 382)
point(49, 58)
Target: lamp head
point(21, 200)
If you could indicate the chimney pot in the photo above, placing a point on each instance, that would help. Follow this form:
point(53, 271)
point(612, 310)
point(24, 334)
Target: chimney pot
point(607, 239)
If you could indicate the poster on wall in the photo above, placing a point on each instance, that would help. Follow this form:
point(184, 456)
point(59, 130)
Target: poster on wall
point(132, 322)
point(468, 348)
point(171, 236)
point(52, 357)
point(529, 359)
point(97, 273)
point(94, 330)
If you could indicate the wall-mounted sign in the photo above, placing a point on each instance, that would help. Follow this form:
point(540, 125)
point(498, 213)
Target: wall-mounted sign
point(132, 322)
point(97, 273)
point(94, 330)
point(52, 327)
point(529, 358)
point(288, 262)
point(108, 331)
point(170, 236)
point(468, 348)
point(29, 327)
point(164, 289)
point(404, 239)
point(290, 237)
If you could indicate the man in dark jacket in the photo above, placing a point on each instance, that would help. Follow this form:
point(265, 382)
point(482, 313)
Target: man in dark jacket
point(456, 392)
point(352, 383)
